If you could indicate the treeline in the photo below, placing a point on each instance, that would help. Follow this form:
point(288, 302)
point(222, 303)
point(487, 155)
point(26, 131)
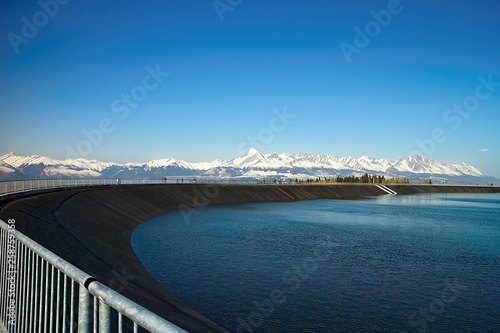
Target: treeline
point(366, 178)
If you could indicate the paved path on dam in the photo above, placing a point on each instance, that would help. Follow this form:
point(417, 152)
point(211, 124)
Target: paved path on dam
point(91, 227)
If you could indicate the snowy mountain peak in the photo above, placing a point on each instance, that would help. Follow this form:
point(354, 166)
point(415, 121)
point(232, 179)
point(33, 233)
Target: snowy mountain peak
point(251, 158)
point(252, 151)
point(161, 162)
point(4, 156)
point(17, 161)
point(253, 164)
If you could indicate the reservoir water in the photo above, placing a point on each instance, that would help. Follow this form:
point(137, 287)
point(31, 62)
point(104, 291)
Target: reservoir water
point(419, 263)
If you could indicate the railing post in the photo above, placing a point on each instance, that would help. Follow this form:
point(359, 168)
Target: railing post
point(104, 318)
point(84, 311)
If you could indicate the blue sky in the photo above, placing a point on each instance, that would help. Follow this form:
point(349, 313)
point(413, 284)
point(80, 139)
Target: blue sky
point(233, 68)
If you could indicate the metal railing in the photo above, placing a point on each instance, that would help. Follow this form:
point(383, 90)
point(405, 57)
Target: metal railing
point(41, 292)
point(17, 186)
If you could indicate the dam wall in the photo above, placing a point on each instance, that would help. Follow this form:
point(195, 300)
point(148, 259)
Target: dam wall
point(91, 227)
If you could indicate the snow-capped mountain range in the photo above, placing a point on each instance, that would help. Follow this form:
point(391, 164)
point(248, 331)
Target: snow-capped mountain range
point(253, 164)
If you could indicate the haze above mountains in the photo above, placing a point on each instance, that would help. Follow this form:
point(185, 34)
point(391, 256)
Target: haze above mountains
point(253, 164)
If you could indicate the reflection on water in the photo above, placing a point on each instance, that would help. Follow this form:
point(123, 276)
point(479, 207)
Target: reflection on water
point(384, 264)
point(442, 199)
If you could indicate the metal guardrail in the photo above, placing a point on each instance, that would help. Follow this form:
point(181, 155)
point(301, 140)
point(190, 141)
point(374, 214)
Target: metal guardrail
point(17, 186)
point(41, 292)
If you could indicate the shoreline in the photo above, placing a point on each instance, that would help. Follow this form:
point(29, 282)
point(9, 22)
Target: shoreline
point(91, 227)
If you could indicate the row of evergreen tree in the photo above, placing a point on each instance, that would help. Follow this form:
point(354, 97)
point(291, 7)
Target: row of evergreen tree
point(366, 178)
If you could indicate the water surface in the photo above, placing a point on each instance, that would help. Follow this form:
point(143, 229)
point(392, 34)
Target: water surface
point(419, 263)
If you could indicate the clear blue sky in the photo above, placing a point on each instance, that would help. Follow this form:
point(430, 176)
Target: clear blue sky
point(230, 67)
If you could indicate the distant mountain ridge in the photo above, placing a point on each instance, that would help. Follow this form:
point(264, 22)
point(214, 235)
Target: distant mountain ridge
point(253, 165)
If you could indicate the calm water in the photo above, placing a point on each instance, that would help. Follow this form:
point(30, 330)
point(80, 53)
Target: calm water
point(421, 263)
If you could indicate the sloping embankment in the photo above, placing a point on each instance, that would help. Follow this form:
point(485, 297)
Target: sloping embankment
point(91, 228)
